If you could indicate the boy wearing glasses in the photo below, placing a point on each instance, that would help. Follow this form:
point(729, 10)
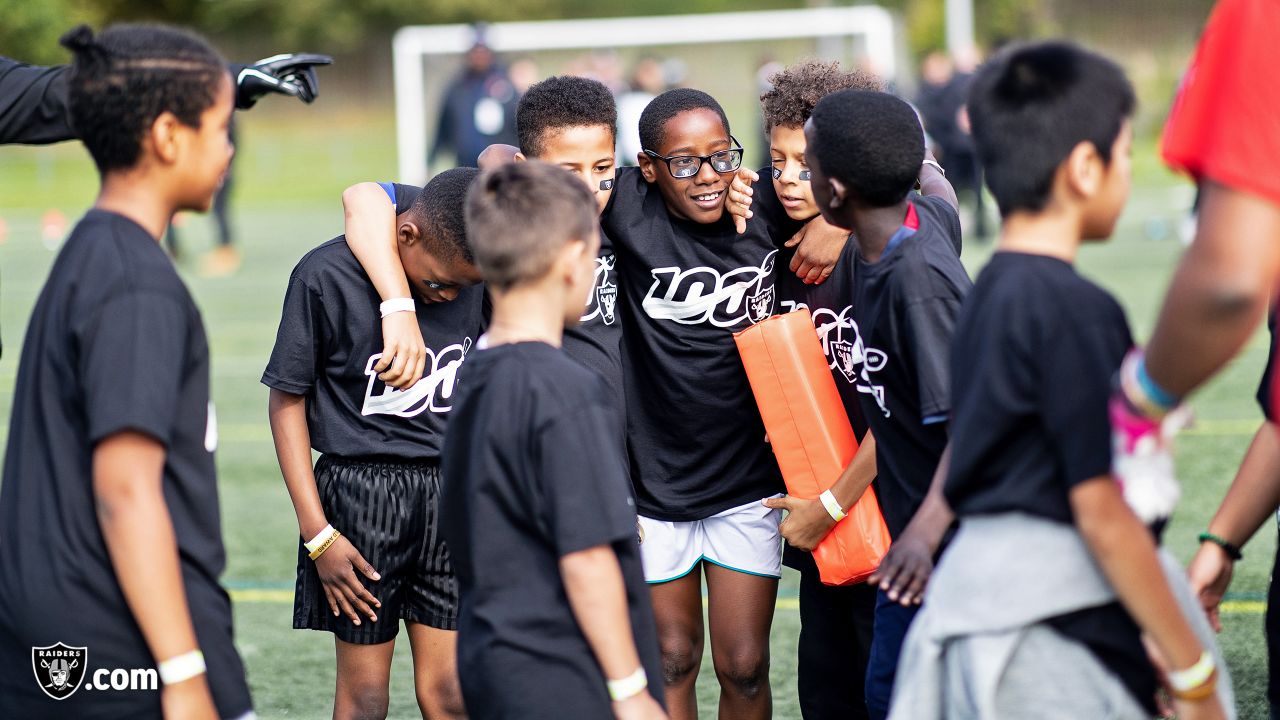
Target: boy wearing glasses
point(699, 458)
point(371, 553)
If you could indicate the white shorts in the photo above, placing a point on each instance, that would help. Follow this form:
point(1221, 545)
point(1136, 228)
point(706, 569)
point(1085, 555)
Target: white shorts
point(745, 538)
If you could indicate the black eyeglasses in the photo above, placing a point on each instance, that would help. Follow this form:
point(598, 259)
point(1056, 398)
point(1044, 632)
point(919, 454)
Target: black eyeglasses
point(686, 166)
point(438, 286)
point(804, 173)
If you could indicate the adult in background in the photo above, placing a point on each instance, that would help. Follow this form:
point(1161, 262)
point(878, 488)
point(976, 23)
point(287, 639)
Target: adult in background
point(479, 108)
point(944, 89)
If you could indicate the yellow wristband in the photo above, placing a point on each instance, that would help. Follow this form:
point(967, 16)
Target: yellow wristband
point(832, 505)
point(325, 545)
point(1204, 690)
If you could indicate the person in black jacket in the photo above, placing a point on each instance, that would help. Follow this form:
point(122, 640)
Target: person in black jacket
point(33, 99)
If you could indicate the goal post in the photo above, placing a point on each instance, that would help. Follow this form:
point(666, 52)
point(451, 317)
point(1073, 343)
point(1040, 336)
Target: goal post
point(414, 46)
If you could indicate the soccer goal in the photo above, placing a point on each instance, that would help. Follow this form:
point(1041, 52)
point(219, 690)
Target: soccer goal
point(869, 30)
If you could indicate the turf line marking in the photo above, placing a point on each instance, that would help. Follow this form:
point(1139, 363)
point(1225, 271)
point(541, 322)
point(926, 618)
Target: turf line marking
point(259, 595)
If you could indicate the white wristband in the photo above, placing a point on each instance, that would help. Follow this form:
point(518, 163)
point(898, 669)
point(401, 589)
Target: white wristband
point(832, 505)
point(181, 667)
point(935, 164)
point(319, 539)
point(395, 305)
point(1194, 676)
point(629, 686)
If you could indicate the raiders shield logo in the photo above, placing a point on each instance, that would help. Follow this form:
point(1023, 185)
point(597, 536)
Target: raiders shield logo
point(607, 296)
point(59, 669)
point(846, 362)
point(761, 304)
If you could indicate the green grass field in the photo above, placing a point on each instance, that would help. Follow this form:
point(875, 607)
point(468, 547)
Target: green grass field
point(287, 202)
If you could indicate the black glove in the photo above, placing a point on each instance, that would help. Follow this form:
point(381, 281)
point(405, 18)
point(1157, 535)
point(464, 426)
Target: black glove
point(289, 74)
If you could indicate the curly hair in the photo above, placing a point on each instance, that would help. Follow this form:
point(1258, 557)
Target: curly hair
point(124, 78)
point(796, 89)
point(560, 102)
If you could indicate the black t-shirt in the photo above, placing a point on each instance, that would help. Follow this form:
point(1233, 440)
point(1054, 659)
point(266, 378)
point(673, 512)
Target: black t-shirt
point(695, 436)
point(1032, 364)
point(596, 341)
point(519, 495)
point(115, 344)
point(330, 338)
point(905, 305)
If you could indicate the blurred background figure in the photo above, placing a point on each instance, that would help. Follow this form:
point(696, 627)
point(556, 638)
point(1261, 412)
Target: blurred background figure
point(523, 73)
point(224, 258)
point(648, 78)
point(944, 87)
point(478, 108)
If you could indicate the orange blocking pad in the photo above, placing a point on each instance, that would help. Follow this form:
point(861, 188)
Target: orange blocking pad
point(811, 437)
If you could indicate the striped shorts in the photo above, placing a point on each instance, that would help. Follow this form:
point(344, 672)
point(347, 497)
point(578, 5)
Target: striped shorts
point(390, 512)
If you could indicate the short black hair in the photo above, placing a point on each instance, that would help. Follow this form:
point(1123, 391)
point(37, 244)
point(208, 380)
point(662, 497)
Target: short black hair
point(520, 215)
point(124, 78)
point(653, 121)
point(1031, 104)
point(871, 141)
point(440, 213)
point(560, 102)
point(796, 89)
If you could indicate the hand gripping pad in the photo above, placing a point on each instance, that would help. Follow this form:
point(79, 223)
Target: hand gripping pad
point(811, 437)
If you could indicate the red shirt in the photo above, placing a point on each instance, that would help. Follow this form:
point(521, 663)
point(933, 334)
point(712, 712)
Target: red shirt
point(1225, 122)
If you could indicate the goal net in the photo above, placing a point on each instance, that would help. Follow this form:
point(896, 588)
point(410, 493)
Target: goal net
point(721, 53)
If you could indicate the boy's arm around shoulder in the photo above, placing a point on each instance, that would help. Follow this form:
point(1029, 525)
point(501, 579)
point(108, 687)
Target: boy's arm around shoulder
point(818, 244)
point(370, 226)
point(934, 183)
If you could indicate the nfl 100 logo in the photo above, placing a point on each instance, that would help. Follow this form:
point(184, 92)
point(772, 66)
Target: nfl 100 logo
point(59, 669)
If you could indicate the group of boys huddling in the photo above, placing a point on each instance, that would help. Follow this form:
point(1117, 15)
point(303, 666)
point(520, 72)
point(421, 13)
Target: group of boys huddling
point(540, 488)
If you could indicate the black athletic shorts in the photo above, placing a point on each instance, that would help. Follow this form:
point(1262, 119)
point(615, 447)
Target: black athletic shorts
point(390, 511)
